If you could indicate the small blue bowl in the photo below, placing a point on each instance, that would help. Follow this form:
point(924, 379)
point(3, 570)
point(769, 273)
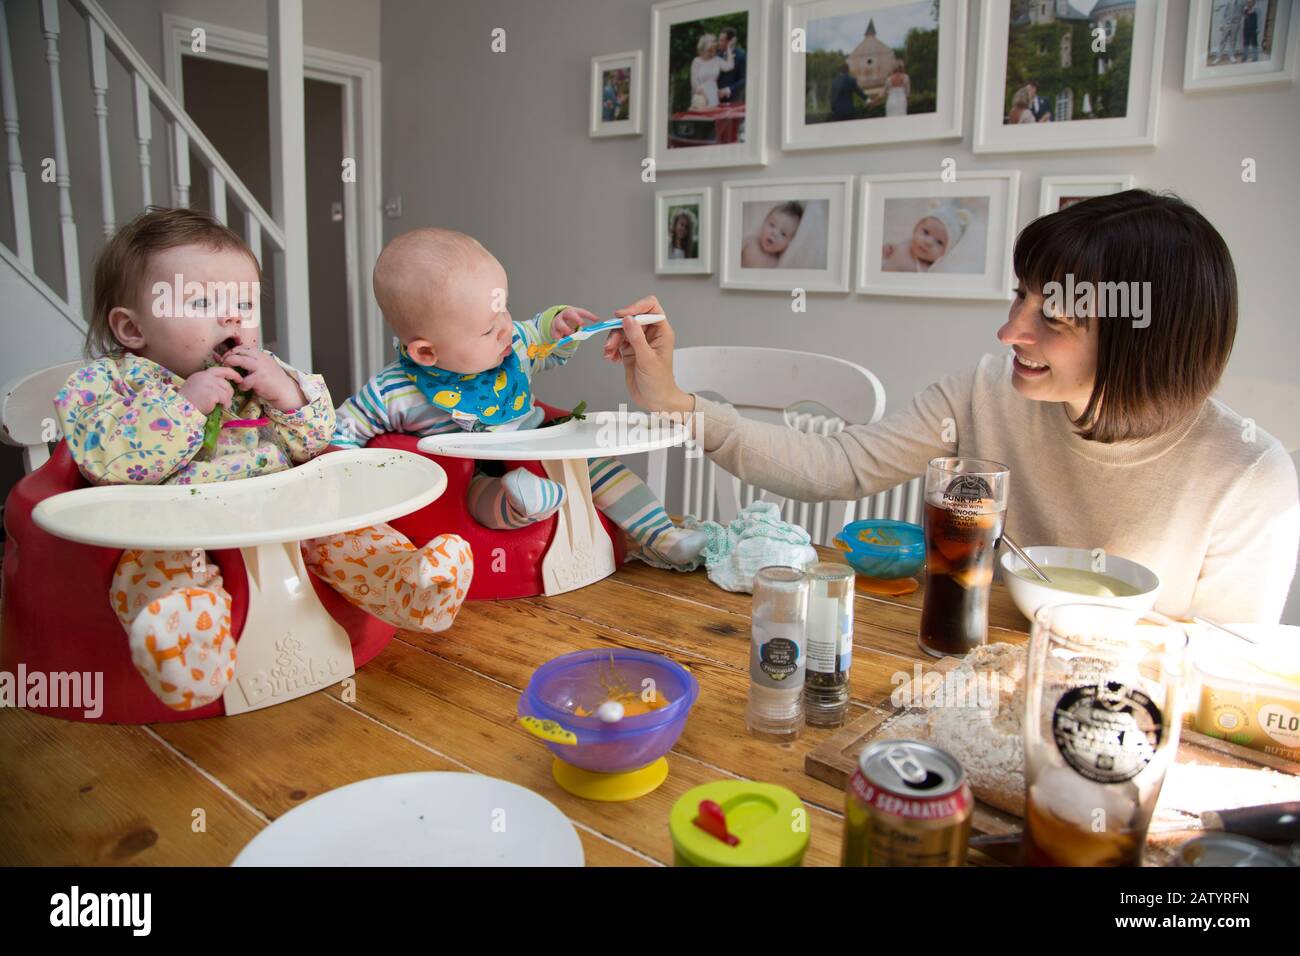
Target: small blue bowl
point(883, 562)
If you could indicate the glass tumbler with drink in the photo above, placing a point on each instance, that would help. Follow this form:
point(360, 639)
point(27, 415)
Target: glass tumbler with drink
point(1103, 706)
point(965, 510)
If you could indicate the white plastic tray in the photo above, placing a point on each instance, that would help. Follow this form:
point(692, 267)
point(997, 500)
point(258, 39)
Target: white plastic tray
point(336, 492)
point(601, 434)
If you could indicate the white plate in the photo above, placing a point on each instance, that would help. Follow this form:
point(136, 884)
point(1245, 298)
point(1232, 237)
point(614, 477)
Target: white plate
point(420, 819)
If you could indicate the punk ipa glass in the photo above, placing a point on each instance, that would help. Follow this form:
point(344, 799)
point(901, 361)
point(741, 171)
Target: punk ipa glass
point(1103, 705)
point(965, 509)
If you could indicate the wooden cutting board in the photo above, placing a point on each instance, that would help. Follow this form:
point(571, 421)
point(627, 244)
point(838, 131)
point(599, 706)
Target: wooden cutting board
point(836, 759)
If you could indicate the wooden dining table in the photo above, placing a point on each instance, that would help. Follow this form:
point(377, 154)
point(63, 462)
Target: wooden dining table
point(195, 792)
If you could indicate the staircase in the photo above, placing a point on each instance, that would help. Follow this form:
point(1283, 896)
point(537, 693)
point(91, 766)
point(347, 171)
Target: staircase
point(44, 299)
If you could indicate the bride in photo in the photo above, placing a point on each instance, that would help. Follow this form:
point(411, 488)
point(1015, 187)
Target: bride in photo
point(704, 73)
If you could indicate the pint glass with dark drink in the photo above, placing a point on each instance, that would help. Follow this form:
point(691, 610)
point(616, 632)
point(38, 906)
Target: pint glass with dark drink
point(1103, 705)
point(965, 509)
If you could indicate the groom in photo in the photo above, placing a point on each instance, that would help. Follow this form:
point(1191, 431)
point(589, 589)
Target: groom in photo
point(731, 82)
point(1037, 104)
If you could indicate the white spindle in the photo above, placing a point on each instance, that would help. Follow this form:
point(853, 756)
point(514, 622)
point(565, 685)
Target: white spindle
point(217, 192)
point(99, 86)
point(253, 235)
point(181, 164)
point(143, 134)
point(688, 463)
point(17, 181)
point(67, 226)
point(288, 185)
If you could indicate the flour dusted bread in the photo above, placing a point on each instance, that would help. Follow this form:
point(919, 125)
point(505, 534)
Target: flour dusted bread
point(976, 716)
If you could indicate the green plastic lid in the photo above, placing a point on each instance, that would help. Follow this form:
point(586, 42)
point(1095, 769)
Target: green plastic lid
point(770, 823)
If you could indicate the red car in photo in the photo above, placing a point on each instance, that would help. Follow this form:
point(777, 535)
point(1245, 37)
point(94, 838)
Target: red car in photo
point(715, 126)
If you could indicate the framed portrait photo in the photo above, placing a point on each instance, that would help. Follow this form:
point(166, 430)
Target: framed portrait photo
point(616, 94)
point(1234, 43)
point(684, 230)
point(1083, 74)
point(787, 234)
point(708, 83)
point(860, 72)
point(1059, 192)
point(921, 236)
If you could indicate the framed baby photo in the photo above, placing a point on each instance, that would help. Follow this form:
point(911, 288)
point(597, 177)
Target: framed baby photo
point(1235, 43)
point(616, 94)
point(921, 236)
point(1059, 192)
point(1056, 75)
point(708, 83)
point(861, 72)
point(787, 234)
point(684, 230)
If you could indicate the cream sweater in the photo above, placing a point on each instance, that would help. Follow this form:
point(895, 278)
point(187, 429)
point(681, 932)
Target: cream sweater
point(1216, 516)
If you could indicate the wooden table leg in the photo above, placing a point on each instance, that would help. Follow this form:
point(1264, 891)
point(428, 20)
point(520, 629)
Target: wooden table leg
point(290, 646)
point(581, 553)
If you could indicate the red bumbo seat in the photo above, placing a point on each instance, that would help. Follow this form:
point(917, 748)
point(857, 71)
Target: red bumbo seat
point(507, 564)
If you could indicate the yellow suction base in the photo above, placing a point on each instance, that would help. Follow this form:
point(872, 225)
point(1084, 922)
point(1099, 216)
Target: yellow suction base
point(610, 787)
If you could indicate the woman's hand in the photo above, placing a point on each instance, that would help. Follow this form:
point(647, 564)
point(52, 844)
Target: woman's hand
point(647, 356)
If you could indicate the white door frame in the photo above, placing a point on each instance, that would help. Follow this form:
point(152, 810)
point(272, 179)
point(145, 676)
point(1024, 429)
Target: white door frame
point(363, 213)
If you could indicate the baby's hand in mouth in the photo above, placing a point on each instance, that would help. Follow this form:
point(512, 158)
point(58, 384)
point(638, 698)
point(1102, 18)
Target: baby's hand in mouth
point(264, 377)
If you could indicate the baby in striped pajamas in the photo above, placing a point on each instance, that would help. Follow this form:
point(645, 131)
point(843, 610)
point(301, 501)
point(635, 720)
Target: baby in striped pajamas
point(464, 364)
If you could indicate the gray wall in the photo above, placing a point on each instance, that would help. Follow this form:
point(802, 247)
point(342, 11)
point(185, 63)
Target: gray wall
point(497, 145)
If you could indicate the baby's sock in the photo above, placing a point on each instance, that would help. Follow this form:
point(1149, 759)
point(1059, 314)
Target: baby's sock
point(517, 499)
point(177, 617)
point(629, 503)
point(380, 571)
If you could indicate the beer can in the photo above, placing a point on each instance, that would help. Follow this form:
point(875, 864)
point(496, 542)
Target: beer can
point(908, 804)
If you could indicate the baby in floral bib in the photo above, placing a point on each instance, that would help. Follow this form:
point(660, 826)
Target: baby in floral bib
point(181, 392)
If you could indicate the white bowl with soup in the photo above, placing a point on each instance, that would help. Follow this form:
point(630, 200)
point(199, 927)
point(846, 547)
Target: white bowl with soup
point(1119, 582)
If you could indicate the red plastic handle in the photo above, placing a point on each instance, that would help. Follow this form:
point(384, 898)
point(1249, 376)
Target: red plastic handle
point(714, 822)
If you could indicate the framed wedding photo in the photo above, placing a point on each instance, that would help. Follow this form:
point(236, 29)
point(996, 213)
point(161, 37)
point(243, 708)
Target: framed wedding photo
point(786, 234)
point(1236, 43)
point(861, 72)
point(684, 230)
point(708, 83)
point(1055, 75)
point(616, 94)
point(921, 236)
point(1059, 192)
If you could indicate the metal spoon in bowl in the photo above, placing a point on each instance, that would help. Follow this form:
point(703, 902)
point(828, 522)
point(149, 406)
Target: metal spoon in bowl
point(1020, 553)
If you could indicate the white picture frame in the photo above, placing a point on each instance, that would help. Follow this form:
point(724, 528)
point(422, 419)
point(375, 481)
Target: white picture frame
point(826, 217)
point(989, 199)
point(632, 61)
point(1137, 127)
point(1053, 189)
point(668, 131)
point(1199, 75)
point(667, 200)
point(945, 122)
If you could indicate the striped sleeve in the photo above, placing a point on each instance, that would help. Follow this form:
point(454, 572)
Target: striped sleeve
point(538, 331)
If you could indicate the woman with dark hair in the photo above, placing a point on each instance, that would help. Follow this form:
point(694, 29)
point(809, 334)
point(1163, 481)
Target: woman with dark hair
point(1122, 323)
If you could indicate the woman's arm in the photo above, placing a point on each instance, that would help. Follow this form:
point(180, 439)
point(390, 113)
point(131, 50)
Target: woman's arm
point(859, 461)
point(1247, 570)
